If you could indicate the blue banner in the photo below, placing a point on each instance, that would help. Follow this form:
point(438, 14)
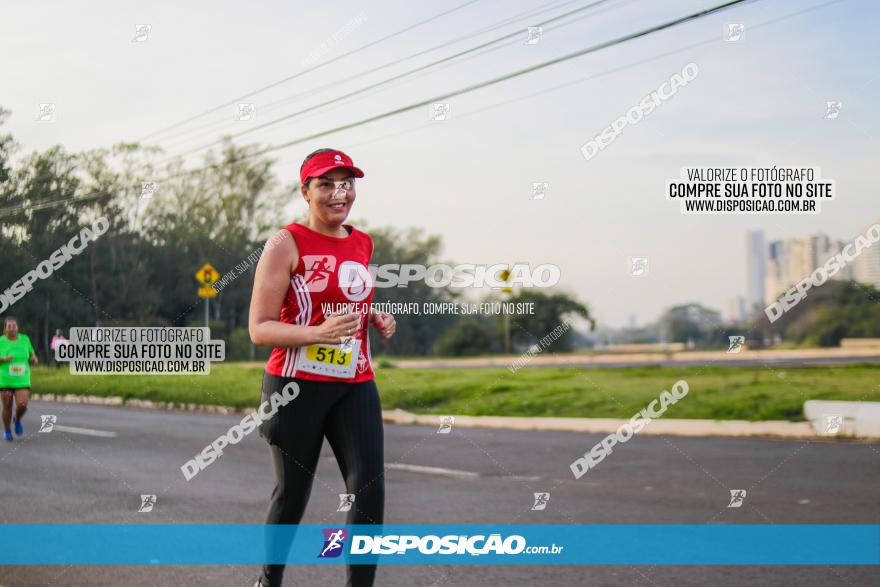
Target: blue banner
point(530, 544)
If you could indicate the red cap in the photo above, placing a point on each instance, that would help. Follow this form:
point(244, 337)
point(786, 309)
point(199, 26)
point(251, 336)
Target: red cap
point(324, 162)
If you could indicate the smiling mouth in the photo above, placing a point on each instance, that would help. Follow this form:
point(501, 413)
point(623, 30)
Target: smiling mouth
point(338, 205)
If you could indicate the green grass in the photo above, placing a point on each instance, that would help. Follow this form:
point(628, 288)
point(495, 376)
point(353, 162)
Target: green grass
point(741, 393)
point(227, 385)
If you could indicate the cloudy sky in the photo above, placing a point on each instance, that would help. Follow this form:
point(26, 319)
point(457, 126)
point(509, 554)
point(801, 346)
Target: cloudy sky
point(757, 102)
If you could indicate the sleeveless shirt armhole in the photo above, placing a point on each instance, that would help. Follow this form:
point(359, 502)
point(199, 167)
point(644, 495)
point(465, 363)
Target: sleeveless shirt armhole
point(299, 261)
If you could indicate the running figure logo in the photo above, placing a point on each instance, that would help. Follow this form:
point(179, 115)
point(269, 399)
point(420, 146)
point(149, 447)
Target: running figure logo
point(734, 32)
point(638, 266)
point(736, 343)
point(346, 344)
point(541, 500)
point(534, 34)
point(340, 190)
point(148, 189)
point(832, 109)
point(47, 423)
point(346, 500)
point(147, 503)
point(539, 189)
point(246, 112)
point(318, 269)
point(446, 423)
point(141, 33)
point(440, 111)
point(737, 497)
point(334, 540)
point(833, 423)
point(46, 112)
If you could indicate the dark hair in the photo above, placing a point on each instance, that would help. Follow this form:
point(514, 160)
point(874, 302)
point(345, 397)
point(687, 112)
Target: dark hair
point(309, 156)
point(8, 319)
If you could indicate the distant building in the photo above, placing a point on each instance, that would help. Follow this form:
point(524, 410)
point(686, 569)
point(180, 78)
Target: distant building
point(866, 268)
point(791, 260)
point(756, 263)
point(779, 254)
point(736, 310)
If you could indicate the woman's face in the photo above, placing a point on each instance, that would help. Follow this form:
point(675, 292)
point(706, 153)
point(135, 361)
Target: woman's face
point(331, 196)
point(10, 328)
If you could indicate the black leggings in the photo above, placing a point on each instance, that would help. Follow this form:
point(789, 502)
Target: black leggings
point(350, 416)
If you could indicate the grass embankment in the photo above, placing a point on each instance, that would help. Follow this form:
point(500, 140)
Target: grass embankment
point(725, 393)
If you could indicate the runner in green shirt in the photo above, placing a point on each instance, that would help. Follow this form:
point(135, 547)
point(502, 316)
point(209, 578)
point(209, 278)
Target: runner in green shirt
point(16, 357)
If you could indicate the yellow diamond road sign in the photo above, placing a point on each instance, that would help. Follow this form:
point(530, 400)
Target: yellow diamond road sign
point(504, 275)
point(207, 275)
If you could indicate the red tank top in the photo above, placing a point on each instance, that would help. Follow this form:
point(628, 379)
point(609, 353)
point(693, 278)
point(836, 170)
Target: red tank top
point(331, 272)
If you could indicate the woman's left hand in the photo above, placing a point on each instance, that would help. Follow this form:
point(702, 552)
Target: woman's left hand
point(384, 323)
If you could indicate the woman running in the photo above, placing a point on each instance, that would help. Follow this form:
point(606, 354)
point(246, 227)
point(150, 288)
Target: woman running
point(306, 269)
point(16, 356)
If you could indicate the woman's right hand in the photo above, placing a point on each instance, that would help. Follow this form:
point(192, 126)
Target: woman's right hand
point(333, 329)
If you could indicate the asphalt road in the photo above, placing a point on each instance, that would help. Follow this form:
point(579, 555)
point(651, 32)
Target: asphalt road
point(72, 477)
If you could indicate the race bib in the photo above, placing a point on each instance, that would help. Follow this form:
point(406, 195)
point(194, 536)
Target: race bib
point(333, 360)
point(16, 369)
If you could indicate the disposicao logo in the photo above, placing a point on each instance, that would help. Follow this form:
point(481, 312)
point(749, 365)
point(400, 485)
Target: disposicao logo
point(334, 542)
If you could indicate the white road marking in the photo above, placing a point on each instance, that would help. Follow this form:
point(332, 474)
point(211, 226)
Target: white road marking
point(432, 470)
point(521, 477)
point(86, 431)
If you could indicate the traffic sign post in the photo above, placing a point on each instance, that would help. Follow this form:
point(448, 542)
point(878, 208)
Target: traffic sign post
point(506, 292)
point(207, 276)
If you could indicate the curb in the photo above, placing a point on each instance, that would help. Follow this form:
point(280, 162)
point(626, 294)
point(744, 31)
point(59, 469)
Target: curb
point(138, 403)
point(611, 360)
point(668, 427)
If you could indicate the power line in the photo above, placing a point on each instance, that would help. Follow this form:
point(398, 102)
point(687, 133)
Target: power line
point(41, 205)
point(308, 70)
point(512, 75)
point(393, 78)
point(315, 90)
point(476, 55)
point(619, 68)
point(311, 91)
point(7, 211)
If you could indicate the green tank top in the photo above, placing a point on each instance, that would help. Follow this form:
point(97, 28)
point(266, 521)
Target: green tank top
point(16, 374)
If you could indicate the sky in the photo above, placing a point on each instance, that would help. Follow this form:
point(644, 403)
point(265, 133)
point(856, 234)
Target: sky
point(758, 102)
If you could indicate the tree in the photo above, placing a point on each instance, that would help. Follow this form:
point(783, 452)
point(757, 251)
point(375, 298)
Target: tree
point(838, 309)
point(549, 312)
point(416, 333)
point(689, 322)
point(467, 337)
point(855, 314)
point(32, 230)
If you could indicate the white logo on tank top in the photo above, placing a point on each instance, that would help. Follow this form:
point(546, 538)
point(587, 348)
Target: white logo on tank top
point(355, 281)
